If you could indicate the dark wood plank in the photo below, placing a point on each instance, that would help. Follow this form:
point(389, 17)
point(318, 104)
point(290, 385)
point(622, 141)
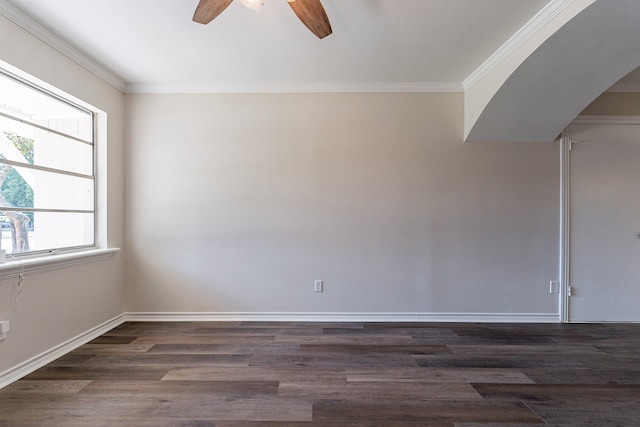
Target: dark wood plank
point(303, 325)
point(51, 387)
point(380, 330)
point(333, 360)
point(256, 331)
point(378, 392)
point(357, 339)
point(99, 372)
point(203, 408)
point(585, 413)
point(223, 349)
point(74, 358)
point(560, 392)
point(147, 359)
point(254, 373)
point(362, 350)
point(226, 389)
point(524, 350)
point(102, 349)
point(265, 374)
point(437, 375)
point(612, 375)
point(113, 339)
point(343, 423)
point(206, 339)
point(18, 408)
point(436, 411)
point(498, 362)
point(93, 421)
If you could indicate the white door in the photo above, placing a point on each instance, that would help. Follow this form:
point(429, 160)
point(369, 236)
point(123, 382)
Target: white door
point(605, 223)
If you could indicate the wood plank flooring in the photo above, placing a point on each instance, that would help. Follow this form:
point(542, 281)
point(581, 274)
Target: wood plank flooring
point(263, 374)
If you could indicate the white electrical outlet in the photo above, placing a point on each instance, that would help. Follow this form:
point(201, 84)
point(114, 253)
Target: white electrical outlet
point(318, 286)
point(554, 287)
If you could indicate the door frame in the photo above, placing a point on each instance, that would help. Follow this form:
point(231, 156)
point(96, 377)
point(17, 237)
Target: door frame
point(566, 143)
point(565, 224)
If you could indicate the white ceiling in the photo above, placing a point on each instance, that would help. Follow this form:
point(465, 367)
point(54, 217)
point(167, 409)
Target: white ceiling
point(152, 45)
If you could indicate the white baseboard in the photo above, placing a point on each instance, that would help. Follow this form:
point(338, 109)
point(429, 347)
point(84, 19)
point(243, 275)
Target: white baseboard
point(344, 317)
point(13, 374)
point(27, 367)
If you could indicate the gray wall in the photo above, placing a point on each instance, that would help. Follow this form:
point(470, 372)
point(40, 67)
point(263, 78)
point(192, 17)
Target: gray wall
point(60, 305)
point(236, 203)
point(615, 103)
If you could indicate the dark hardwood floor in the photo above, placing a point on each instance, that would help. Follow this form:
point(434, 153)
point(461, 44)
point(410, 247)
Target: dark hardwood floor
point(258, 374)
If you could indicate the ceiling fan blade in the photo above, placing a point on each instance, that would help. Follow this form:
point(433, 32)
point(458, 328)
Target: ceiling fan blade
point(207, 10)
point(312, 14)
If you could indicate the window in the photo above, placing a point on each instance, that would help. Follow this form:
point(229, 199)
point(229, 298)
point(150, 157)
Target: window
point(47, 179)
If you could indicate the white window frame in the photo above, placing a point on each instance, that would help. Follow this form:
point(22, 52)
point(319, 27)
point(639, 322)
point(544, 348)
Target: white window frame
point(34, 262)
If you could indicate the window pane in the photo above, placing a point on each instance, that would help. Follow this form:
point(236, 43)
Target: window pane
point(46, 169)
point(29, 188)
point(23, 143)
point(47, 230)
point(23, 101)
point(58, 152)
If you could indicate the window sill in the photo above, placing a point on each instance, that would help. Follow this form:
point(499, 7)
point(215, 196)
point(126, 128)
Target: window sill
point(13, 267)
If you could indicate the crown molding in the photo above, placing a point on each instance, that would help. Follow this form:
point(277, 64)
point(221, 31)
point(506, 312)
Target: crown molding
point(535, 24)
point(36, 29)
point(417, 87)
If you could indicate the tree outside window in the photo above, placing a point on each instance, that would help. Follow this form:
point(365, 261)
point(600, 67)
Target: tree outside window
point(47, 177)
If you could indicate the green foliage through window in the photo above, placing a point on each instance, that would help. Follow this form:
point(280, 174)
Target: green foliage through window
point(15, 189)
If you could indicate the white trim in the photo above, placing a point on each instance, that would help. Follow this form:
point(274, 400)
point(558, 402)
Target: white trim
point(36, 29)
point(25, 368)
point(44, 263)
point(605, 120)
point(535, 24)
point(343, 317)
point(565, 229)
point(565, 200)
point(400, 87)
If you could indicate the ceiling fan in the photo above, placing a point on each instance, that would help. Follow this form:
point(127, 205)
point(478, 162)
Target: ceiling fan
point(310, 12)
